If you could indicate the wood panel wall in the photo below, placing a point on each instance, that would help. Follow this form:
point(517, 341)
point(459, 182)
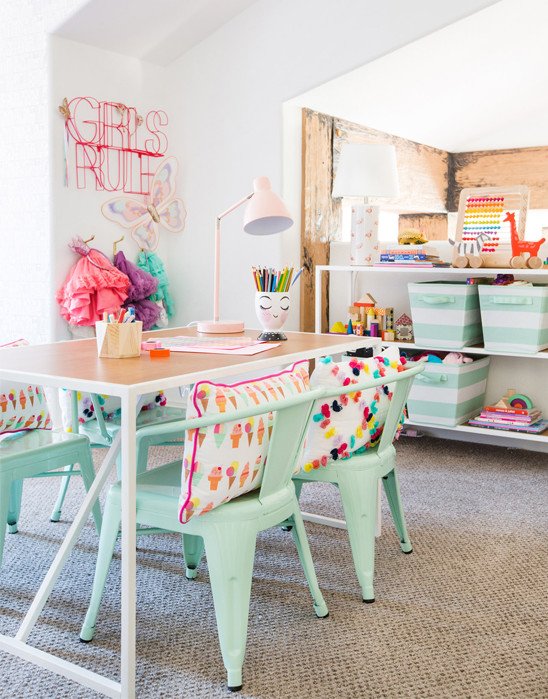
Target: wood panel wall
point(501, 168)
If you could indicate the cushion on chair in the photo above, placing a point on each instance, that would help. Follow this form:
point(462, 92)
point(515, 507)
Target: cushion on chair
point(224, 461)
point(110, 406)
point(344, 425)
point(22, 407)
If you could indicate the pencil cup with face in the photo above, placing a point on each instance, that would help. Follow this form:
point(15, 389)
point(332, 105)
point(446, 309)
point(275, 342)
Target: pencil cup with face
point(272, 309)
point(119, 340)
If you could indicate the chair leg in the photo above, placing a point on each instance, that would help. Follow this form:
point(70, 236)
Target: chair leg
point(5, 490)
point(88, 476)
point(230, 551)
point(193, 548)
point(56, 513)
point(298, 488)
point(358, 491)
point(392, 490)
point(303, 549)
point(16, 493)
point(107, 542)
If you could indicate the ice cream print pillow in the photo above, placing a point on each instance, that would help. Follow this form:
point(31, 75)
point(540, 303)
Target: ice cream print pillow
point(22, 407)
point(226, 460)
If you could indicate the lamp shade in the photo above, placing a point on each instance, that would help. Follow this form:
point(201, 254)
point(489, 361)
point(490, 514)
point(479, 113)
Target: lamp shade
point(265, 212)
point(366, 170)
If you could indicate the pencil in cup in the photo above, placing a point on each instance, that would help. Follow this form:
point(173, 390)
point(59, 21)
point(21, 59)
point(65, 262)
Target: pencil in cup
point(270, 280)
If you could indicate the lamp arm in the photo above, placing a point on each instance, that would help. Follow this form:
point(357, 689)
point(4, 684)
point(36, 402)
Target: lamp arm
point(217, 259)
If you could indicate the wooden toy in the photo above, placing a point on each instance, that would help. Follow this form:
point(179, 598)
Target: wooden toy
point(389, 336)
point(354, 313)
point(338, 328)
point(404, 328)
point(483, 237)
point(367, 301)
point(523, 246)
point(512, 400)
point(359, 329)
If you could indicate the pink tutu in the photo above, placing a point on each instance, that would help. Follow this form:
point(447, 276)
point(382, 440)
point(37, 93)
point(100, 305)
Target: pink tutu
point(92, 287)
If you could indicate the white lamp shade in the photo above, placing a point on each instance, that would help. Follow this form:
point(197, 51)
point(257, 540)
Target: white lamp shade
point(265, 212)
point(366, 170)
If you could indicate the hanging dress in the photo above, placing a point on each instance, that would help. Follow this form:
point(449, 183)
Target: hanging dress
point(92, 287)
point(142, 285)
point(150, 262)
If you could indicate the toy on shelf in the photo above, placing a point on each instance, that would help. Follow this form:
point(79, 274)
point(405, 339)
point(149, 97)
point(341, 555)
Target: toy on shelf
point(523, 246)
point(514, 412)
point(411, 236)
point(483, 237)
point(365, 317)
point(404, 328)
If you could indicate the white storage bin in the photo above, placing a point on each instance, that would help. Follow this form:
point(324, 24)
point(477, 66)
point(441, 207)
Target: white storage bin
point(448, 395)
point(515, 318)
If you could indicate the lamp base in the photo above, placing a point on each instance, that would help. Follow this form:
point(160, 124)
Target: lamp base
point(364, 235)
point(218, 327)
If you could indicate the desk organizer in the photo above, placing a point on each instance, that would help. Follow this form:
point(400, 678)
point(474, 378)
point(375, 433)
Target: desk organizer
point(514, 318)
point(445, 314)
point(272, 309)
point(448, 395)
point(119, 340)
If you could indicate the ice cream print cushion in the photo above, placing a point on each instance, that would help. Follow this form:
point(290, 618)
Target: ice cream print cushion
point(350, 423)
point(226, 460)
point(22, 407)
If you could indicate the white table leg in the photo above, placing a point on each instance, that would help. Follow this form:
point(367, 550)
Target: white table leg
point(129, 543)
point(68, 543)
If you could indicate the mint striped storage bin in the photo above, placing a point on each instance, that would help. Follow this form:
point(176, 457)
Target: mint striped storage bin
point(445, 314)
point(448, 395)
point(515, 318)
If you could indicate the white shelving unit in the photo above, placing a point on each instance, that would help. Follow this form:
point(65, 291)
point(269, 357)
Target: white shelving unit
point(526, 441)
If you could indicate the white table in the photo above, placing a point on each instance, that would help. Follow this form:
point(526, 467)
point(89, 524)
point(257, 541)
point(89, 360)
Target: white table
point(75, 365)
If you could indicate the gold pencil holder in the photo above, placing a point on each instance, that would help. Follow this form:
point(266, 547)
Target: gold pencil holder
point(119, 340)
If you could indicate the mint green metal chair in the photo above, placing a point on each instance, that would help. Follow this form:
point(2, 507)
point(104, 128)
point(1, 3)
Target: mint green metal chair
point(101, 433)
point(37, 454)
point(227, 532)
point(357, 480)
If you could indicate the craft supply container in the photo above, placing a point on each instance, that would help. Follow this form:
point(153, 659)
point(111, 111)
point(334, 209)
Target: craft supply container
point(445, 314)
point(514, 318)
point(119, 340)
point(448, 395)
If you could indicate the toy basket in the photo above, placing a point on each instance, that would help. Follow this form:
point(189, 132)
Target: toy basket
point(448, 395)
point(445, 314)
point(515, 318)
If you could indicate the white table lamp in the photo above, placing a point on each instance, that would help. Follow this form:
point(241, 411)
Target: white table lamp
point(265, 214)
point(365, 170)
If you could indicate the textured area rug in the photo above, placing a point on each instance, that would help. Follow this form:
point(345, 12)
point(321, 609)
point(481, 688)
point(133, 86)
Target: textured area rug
point(464, 616)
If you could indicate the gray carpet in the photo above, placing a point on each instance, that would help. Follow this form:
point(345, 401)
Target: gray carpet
point(463, 616)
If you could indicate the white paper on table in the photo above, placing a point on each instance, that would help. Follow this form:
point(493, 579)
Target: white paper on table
point(204, 349)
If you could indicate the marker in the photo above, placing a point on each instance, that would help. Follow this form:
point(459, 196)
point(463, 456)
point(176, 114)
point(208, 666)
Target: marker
point(297, 276)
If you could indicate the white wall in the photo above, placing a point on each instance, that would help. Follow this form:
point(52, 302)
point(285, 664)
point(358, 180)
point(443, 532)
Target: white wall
point(79, 70)
point(26, 307)
point(230, 90)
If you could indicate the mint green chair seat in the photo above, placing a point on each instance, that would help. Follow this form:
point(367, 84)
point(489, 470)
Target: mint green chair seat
point(37, 454)
point(357, 479)
point(101, 433)
point(228, 532)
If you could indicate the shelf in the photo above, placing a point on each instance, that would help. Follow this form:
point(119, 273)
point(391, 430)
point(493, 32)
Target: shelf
point(523, 436)
point(469, 350)
point(451, 271)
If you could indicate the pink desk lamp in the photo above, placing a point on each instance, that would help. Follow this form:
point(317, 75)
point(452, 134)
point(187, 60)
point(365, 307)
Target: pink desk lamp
point(265, 213)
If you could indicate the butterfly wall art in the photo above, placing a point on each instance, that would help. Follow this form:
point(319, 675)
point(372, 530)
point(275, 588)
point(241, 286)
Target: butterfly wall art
point(160, 208)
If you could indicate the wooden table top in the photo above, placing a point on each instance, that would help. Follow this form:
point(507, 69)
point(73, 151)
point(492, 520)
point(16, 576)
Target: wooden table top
point(75, 364)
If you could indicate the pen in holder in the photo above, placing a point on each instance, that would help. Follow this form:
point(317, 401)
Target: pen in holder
point(119, 340)
point(272, 309)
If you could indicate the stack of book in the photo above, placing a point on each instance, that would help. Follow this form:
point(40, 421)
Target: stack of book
point(411, 256)
point(513, 419)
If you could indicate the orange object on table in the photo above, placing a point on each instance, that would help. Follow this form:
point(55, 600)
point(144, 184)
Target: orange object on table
point(157, 353)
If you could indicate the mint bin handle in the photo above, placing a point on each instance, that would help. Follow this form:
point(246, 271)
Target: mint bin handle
point(435, 300)
point(431, 378)
point(513, 300)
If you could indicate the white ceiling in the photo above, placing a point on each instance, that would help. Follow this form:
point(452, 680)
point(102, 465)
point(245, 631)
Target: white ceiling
point(158, 31)
point(481, 83)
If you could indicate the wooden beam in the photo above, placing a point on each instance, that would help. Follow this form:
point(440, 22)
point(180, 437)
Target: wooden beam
point(500, 168)
point(320, 214)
